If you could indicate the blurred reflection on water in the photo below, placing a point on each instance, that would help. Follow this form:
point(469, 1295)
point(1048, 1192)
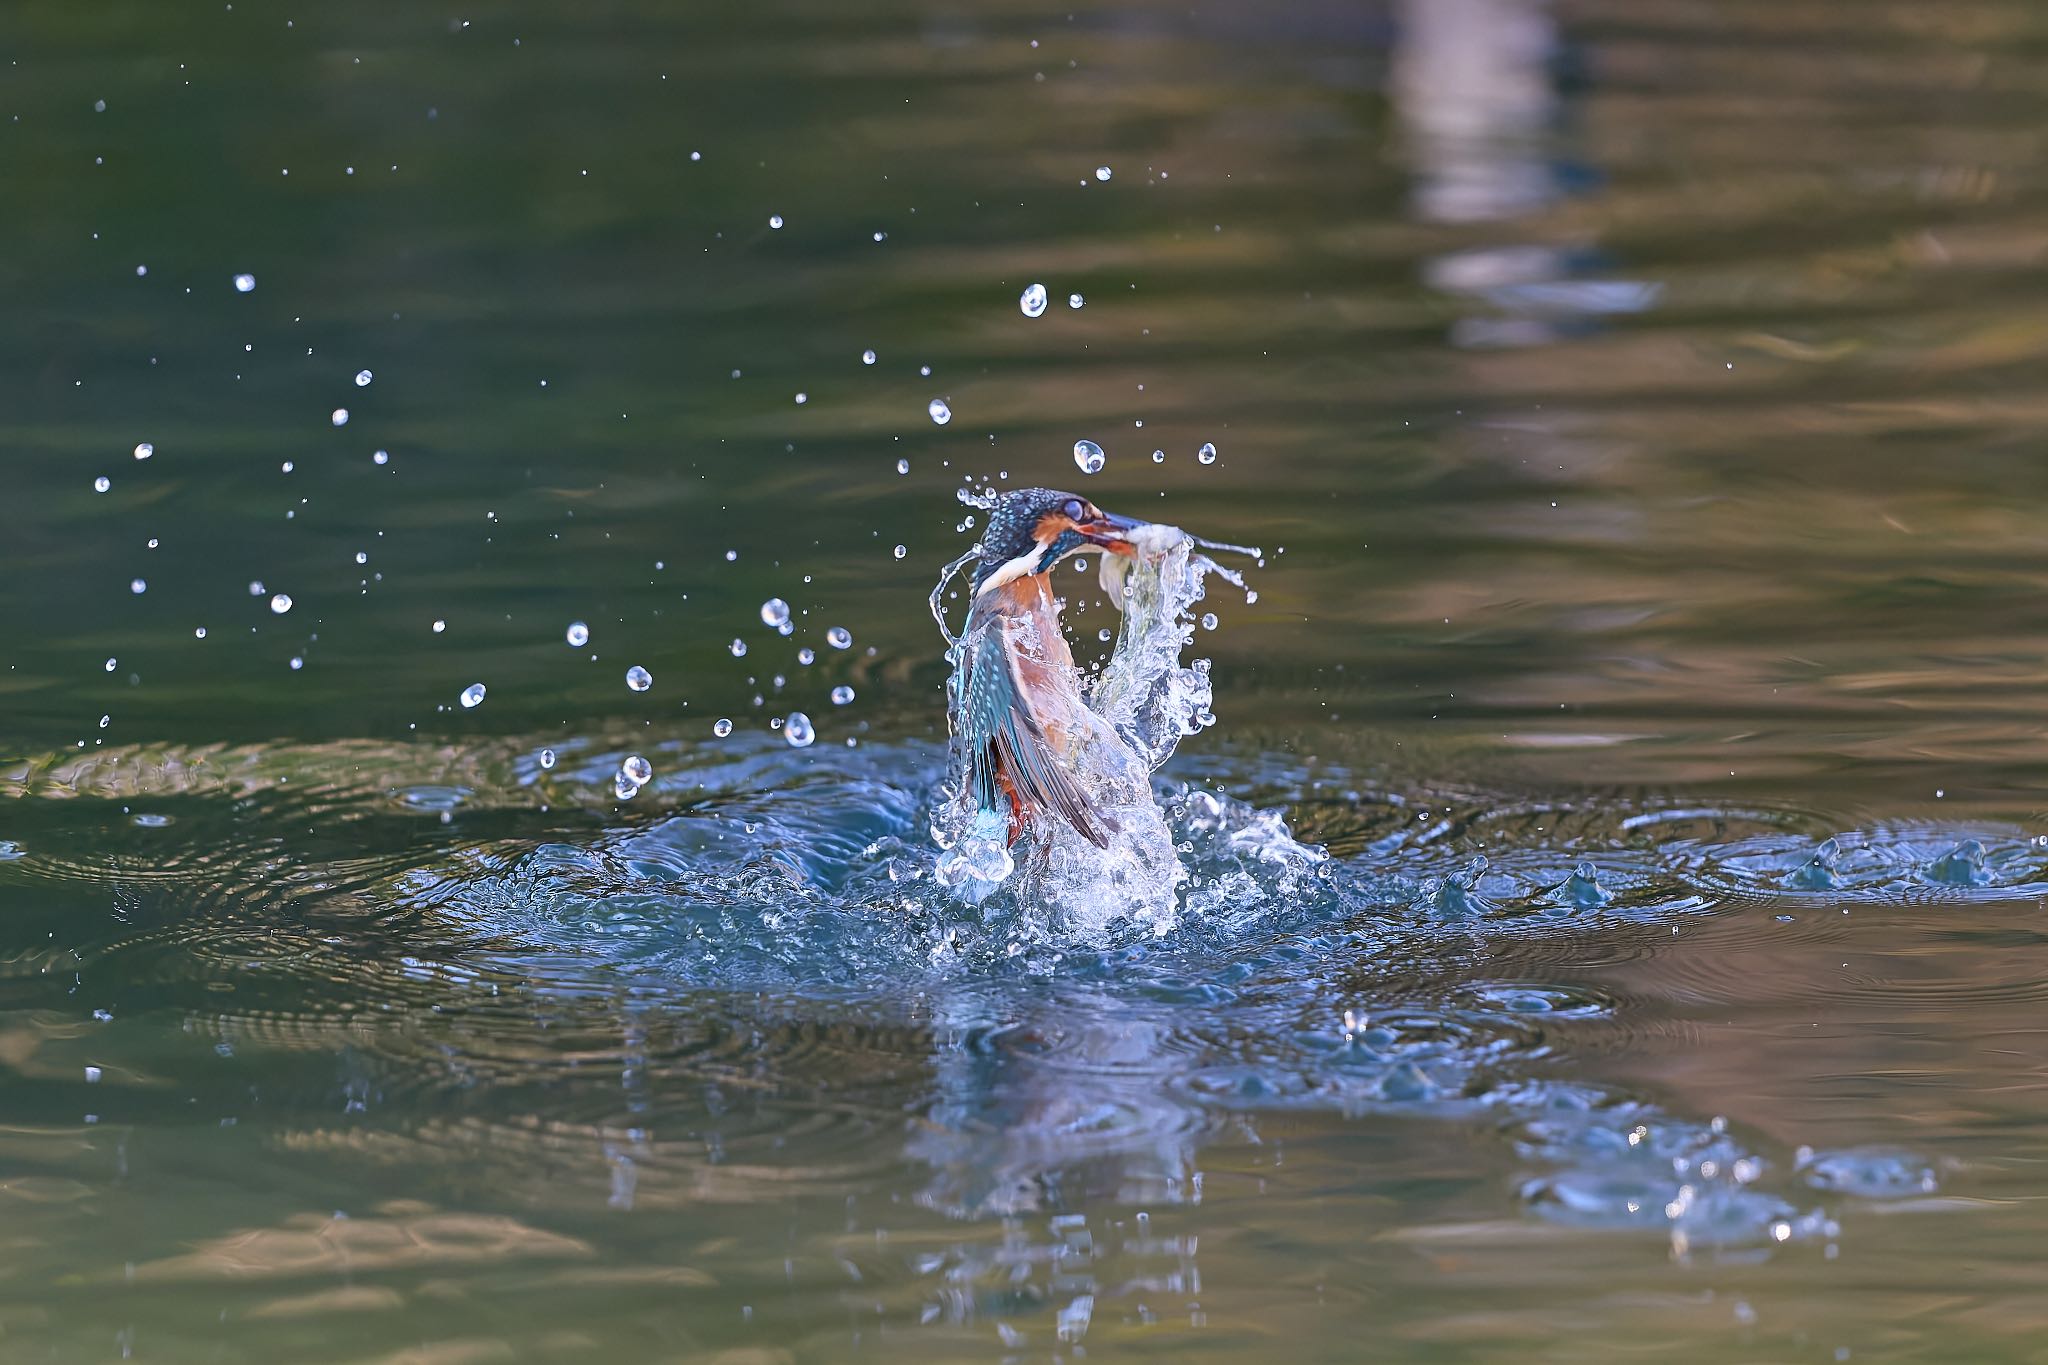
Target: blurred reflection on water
point(1647, 398)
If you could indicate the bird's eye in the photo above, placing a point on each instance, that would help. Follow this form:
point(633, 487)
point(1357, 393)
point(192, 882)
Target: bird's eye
point(1075, 510)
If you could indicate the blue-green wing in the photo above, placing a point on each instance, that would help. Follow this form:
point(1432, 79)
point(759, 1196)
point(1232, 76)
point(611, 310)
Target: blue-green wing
point(1002, 738)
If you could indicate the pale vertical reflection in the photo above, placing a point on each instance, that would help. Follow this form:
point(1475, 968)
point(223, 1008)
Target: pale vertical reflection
point(1472, 85)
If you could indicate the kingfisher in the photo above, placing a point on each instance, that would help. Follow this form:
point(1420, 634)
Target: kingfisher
point(1019, 713)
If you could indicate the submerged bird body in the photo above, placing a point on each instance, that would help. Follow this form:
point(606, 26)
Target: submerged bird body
point(1020, 715)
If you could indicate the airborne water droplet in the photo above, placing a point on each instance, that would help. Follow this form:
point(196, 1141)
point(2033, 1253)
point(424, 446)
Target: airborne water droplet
point(639, 679)
point(774, 612)
point(738, 648)
point(625, 788)
point(1032, 301)
point(1158, 457)
point(244, 283)
point(1075, 300)
point(797, 730)
point(903, 466)
point(138, 586)
point(721, 727)
point(578, 634)
point(473, 695)
point(1208, 620)
point(839, 637)
point(806, 656)
point(867, 357)
point(900, 551)
point(102, 484)
point(1207, 454)
point(282, 603)
point(1103, 172)
point(547, 758)
point(1088, 457)
point(339, 417)
point(363, 378)
point(638, 770)
point(143, 450)
point(939, 411)
point(841, 695)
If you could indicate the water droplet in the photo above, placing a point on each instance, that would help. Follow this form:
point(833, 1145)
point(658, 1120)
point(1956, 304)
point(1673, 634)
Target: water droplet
point(244, 283)
point(1103, 635)
point(578, 634)
point(1075, 300)
point(738, 648)
point(774, 612)
point(105, 721)
point(199, 633)
point(339, 417)
point(1032, 301)
point(638, 769)
point(1207, 454)
point(841, 695)
point(363, 378)
point(867, 357)
point(297, 663)
point(547, 758)
point(440, 626)
point(1158, 457)
point(900, 551)
point(281, 603)
point(1088, 457)
point(939, 411)
point(111, 663)
point(721, 727)
point(797, 730)
point(1102, 172)
point(806, 656)
point(802, 399)
point(731, 556)
point(1208, 620)
point(625, 787)
point(903, 466)
point(473, 695)
point(362, 556)
point(143, 450)
point(639, 679)
point(775, 220)
point(381, 457)
point(102, 484)
point(138, 586)
point(839, 637)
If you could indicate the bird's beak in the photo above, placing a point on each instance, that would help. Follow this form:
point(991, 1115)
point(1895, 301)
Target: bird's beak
point(1111, 533)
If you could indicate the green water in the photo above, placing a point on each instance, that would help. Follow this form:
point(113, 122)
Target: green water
point(1640, 405)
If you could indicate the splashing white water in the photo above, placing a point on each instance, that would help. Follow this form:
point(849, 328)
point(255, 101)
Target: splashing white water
point(1114, 733)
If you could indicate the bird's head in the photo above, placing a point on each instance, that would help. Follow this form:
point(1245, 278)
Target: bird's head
point(1032, 529)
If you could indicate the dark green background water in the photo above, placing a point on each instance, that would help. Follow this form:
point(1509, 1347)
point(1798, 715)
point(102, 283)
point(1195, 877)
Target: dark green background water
point(1648, 398)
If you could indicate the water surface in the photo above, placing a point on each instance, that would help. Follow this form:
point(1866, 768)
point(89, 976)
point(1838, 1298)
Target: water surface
point(1640, 405)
